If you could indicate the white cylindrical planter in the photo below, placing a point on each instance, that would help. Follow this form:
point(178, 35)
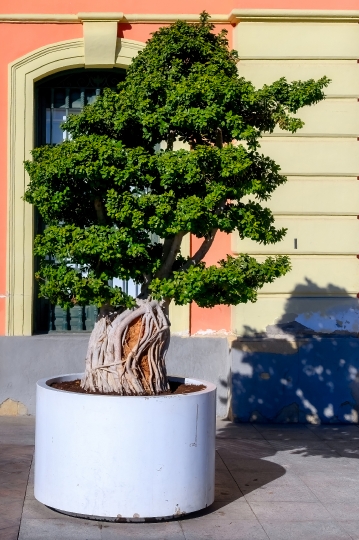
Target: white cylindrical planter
point(124, 457)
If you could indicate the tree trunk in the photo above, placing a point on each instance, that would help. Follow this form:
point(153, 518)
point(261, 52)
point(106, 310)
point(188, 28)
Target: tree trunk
point(126, 355)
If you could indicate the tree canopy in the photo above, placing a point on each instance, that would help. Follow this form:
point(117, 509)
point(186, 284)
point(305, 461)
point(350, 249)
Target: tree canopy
point(121, 180)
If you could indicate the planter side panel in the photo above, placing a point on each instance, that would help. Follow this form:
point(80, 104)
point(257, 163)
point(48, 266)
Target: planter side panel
point(124, 457)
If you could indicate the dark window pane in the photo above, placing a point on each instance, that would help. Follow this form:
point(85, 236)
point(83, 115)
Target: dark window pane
point(60, 98)
point(75, 98)
point(58, 117)
point(45, 100)
point(91, 95)
point(48, 125)
point(74, 111)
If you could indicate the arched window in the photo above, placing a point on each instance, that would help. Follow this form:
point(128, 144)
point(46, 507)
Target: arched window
point(57, 97)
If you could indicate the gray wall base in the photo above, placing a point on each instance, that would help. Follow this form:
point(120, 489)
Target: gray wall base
point(25, 360)
point(312, 379)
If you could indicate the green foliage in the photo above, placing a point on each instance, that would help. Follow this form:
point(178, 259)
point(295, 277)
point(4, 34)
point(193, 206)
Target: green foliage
point(119, 180)
point(235, 280)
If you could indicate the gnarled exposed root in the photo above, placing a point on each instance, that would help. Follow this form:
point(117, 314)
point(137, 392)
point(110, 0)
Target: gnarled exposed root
point(127, 355)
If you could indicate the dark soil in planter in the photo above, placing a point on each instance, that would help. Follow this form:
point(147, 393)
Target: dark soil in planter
point(175, 388)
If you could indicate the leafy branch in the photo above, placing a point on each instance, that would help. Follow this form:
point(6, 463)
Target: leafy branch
point(106, 192)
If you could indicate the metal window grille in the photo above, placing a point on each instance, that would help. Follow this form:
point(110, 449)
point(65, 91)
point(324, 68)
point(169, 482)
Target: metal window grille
point(57, 97)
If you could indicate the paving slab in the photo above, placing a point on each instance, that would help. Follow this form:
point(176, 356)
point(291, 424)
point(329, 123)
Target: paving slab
point(305, 530)
point(315, 447)
point(336, 432)
point(344, 512)
point(232, 530)
point(290, 511)
point(228, 430)
point(313, 459)
point(299, 434)
point(59, 529)
point(10, 533)
point(227, 511)
point(16, 454)
point(142, 531)
point(226, 488)
point(271, 493)
point(351, 527)
point(244, 448)
point(333, 488)
point(17, 430)
point(33, 509)
point(249, 465)
point(348, 449)
point(286, 488)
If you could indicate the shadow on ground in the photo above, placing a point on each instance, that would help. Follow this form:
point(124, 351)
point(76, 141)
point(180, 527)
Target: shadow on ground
point(277, 482)
point(247, 455)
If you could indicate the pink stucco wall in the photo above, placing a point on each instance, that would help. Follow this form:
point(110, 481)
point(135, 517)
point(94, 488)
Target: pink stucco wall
point(219, 317)
point(19, 39)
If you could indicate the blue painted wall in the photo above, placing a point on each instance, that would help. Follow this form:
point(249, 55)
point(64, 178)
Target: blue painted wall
point(314, 379)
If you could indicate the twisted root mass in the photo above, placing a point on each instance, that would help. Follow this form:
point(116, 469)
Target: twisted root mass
point(126, 355)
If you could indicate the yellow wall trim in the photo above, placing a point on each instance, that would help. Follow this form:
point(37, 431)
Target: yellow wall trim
point(304, 295)
point(132, 18)
point(92, 16)
point(38, 18)
point(144, 18)
point(100, 38)
point(295, 15)
point(236, 16)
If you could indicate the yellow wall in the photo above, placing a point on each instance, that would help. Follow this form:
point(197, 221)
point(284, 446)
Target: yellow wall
point(320, 202)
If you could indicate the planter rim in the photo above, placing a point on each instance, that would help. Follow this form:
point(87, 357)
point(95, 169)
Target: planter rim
point(45, 383)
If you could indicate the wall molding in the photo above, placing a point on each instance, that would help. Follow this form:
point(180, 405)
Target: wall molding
point(23, 73)
point(134, 18)
point(293, 15)
point(299, 58)
point(305, 295)
point(100, 40)
point(236, 16)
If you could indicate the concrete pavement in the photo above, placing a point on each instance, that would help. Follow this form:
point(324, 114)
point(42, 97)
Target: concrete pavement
point(16, 454)
point(272, 482)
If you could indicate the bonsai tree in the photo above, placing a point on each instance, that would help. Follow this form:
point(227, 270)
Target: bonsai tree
point(118, 199)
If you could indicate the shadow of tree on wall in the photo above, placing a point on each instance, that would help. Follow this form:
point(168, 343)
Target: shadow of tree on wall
point(300, 372)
